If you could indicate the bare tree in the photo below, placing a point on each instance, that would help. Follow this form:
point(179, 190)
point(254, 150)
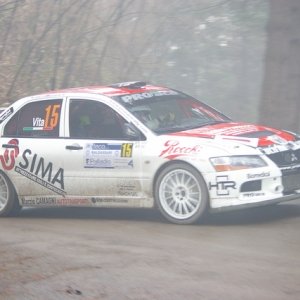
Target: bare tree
point(34, 44)
point(13, 7)
point(53, 44)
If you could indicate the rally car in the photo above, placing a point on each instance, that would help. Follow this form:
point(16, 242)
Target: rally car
point(138, 145)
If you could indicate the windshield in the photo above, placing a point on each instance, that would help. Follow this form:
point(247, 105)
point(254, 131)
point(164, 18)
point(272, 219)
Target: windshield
point(172, 113)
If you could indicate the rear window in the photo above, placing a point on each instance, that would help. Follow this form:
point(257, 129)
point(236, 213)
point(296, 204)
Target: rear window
point(35, 119)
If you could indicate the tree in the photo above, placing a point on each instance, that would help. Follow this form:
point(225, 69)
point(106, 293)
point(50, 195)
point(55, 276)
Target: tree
point(211, 49)
point(280, 103)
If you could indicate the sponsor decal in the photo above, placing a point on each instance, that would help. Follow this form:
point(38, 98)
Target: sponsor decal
point(73, 201)
point(108, 200)
point(49, 122)
point(146, 95)
point(223, 185)
point(127, 189)
point(228, 129)
point(276, 139)
point(253, 194)
point(48, 201)
point(40, 172)
point(39, 201)
point(174, 149)
point(275, 149)
point(6, 114)
point(102, 155)
point(258, 175)
point(9, 156)
point(27, 202)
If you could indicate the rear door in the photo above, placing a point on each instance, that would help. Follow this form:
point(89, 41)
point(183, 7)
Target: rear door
point(31, 149)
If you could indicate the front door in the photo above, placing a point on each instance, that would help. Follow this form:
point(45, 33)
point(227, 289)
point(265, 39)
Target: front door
point(100, 162)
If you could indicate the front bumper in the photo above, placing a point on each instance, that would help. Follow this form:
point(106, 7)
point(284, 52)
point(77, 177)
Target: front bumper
point(250, 188)
point(255, 204)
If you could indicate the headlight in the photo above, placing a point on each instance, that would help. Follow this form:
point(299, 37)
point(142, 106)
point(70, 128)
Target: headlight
point(231, 163)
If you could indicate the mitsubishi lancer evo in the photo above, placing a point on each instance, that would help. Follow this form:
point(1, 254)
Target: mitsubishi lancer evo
point(138, 145)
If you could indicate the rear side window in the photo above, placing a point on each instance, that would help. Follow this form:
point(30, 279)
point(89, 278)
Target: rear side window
point(35, 119)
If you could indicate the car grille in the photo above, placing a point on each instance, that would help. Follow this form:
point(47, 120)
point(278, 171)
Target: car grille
point(286, 158)
point(288, 161)
point(291, 180)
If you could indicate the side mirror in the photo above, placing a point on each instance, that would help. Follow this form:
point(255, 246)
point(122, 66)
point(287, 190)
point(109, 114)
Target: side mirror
point(131, 132)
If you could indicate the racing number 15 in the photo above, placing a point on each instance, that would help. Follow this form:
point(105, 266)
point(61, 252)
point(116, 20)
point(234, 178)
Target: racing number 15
point(52, 115)
point(126, 150)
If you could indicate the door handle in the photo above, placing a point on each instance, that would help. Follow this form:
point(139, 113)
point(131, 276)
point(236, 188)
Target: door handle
point(74, 147)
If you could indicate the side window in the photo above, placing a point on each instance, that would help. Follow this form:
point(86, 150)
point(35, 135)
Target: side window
point(94, 120)
point(35, 119)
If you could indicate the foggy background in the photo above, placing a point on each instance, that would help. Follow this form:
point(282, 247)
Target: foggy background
point(215, 50)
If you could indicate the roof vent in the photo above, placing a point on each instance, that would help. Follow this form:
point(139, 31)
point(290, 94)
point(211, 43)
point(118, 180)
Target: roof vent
point(129, 85)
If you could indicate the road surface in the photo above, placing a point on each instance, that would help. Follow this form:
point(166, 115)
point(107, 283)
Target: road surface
point(134, 254)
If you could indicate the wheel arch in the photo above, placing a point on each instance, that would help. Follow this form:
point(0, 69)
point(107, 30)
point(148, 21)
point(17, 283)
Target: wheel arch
point(168, 163)
point(11, 183)
point(17, 205)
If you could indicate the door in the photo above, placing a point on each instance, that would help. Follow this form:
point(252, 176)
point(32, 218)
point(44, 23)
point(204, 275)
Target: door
point(31, 150)
point(101, 162)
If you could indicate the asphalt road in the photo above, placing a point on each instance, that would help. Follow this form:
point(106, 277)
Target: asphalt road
point(134, 254)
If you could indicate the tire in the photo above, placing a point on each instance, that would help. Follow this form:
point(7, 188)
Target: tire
point(9, 204)
point(181, 194)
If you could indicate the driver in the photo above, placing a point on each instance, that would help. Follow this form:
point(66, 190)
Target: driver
point(143, 113)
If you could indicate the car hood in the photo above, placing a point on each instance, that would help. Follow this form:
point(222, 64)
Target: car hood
point(244, 133)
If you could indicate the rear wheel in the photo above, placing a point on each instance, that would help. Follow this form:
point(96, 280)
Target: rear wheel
point(8, 201)
point(181, 194)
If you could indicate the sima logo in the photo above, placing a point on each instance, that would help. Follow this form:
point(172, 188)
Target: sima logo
point(38, 167)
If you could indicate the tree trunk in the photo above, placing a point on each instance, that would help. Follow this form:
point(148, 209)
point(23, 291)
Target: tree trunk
point(280, 103)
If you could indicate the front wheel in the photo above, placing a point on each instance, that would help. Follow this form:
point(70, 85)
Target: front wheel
point(8, 201)
point(181, 194)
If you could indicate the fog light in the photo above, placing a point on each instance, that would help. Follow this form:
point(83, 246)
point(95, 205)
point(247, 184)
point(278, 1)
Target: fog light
point(278, 189)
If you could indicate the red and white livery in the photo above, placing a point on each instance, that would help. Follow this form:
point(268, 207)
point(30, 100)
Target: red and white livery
point(138, 145)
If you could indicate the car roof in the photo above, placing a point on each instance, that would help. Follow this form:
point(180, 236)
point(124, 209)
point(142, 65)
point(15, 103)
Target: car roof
point(117, 89)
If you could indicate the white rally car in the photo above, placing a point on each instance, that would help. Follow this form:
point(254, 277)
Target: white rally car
point(138, 145)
